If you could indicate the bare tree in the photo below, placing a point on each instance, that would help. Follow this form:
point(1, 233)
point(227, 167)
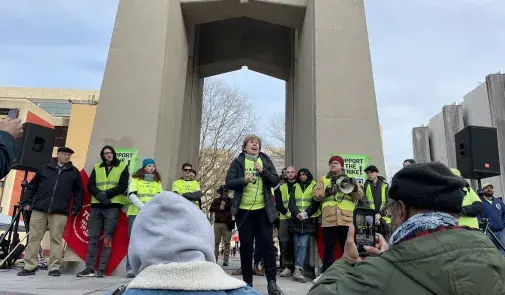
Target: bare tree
point(391, 170)
point(276, 135)
point(227, 116)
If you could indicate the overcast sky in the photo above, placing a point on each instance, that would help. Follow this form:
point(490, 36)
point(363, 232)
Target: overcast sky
point(425, 54)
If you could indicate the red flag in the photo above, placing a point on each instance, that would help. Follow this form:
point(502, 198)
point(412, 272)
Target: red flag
point(76, 232)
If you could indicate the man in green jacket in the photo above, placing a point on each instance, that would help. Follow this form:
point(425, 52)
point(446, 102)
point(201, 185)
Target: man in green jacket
point(428, 253)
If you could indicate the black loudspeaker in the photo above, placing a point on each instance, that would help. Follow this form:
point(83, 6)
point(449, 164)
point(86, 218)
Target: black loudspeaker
point(477, 152)
point(35, 147)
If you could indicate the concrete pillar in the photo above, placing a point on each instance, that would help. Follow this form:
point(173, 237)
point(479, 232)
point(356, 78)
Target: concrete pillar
point(346, 119)
point(303, 133)
point(189, 141)
point(421, 144)
point(453, 122)
point(141, 101)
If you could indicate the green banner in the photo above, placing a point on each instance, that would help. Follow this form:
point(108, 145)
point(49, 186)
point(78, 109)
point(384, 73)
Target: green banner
point(355, 165)
point(130, 156)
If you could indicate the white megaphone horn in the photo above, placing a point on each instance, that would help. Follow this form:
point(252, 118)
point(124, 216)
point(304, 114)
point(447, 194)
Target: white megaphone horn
point(344, 185)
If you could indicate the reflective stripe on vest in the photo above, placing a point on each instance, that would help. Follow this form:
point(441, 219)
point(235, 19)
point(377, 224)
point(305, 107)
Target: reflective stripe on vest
point(304, 199)
point(285, 200)
point(344, 202)
point(146, 190)
point(105, 182)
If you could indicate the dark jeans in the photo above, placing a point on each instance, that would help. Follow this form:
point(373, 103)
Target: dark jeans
point(256, 226)
point(106, 220)
point(131, 219)
point(286, 244)
point(330, 236)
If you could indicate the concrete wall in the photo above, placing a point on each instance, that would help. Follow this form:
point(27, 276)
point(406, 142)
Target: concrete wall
point(345, 105)
point(483, 106)
point(79, 132)
point(421, 144)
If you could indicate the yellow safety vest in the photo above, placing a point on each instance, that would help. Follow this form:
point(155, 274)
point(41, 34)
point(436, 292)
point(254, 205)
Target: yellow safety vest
point(104, 182)
point(304, 199)
point(344, 202)
point(371, 202)
point(470, 197)
point(182, 186)
point(285, 200)
point(146, 190)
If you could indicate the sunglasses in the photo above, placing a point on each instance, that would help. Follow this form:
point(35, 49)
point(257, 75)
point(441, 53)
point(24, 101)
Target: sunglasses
point(187, 170)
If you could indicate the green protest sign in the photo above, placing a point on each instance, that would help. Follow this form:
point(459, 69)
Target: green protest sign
point(130, 156)
point(355, 165)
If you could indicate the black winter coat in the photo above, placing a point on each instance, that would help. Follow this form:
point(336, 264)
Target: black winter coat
point(307, 226)
point(8, 149)
point(235, 180)
point(51, 190)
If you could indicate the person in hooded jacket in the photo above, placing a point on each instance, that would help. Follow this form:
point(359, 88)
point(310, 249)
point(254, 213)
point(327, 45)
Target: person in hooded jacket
point(304, 213)
point(251, 176)
point(428, 253)
point(108, 183)
point(177, 257)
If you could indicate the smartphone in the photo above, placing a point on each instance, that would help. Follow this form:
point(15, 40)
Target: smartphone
point(364, 228)
point(13, 113)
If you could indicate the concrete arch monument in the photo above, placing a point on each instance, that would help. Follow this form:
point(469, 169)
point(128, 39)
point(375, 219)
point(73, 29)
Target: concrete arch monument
point(161, 50)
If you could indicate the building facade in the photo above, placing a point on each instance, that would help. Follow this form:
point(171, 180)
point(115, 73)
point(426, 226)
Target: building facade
point(483, 106)
point(69, 112)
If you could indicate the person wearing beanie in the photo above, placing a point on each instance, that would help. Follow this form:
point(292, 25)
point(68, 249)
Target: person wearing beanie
point(187, 186)
point(171, 251)
point(428, 252)
point(472, 205)
point(223, 222)
point(144, 185)
point(337, 209)
point(251, 177)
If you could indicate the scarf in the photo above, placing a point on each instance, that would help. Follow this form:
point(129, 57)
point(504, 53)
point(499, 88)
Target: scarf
point(419, 223)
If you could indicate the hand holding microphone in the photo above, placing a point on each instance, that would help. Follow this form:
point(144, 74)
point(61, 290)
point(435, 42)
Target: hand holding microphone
point(258, 167)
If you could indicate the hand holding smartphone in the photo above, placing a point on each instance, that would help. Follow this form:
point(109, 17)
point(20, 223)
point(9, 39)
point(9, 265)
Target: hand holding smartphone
point(364, 228)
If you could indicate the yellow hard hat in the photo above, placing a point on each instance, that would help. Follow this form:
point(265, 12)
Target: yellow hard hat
point(456, 172)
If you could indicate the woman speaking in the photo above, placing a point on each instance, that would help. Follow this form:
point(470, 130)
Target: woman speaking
point(251, 176)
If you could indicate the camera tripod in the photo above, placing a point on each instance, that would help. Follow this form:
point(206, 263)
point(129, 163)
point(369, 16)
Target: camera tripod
point(9, 241)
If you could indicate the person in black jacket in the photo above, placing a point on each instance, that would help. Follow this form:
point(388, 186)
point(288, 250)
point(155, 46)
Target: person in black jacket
point(251, 176)
point(49, 194)
point(303, 224)
point(223, 222)
point(107, 184)
point(9, 130)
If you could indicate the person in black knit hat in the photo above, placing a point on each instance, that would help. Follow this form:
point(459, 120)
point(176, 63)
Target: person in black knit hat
point(426, 250)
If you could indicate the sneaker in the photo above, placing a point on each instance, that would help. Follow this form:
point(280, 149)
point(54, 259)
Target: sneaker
point(130, 274)
point(298, 275)
point(286, 273)
point(87, 273)
point(55, 273)
point(317, 279)
point(25, 272)
point(100, 273)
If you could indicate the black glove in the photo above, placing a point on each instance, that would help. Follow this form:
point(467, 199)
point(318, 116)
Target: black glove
point(102, 197)
point(464, 212)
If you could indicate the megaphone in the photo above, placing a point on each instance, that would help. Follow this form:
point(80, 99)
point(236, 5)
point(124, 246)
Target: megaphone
point(345, 185)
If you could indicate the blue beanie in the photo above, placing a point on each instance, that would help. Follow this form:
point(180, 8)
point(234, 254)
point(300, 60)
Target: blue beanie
point(148, 161)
